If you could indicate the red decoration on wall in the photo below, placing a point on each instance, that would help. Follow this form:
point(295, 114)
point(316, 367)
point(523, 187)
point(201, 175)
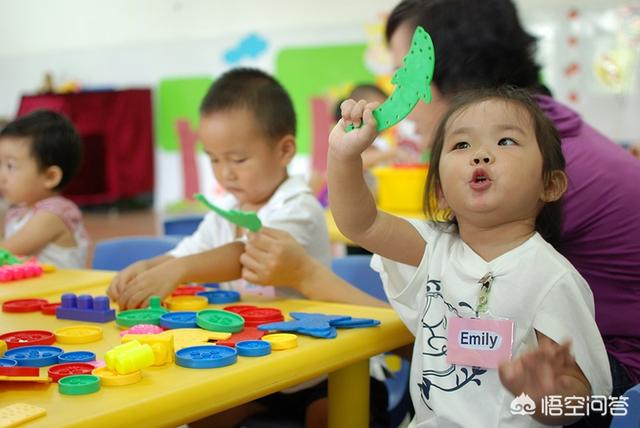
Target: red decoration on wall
point(188, 140)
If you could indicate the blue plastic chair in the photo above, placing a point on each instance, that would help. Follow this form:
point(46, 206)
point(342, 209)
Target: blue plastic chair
point(182, 225)
point(118, 253)
point(632, 418)
point(357, 271)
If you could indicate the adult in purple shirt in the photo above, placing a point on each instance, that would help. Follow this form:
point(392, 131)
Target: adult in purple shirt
point(482, 44)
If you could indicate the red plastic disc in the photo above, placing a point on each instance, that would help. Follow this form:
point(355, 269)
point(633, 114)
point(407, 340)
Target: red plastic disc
point(23, 305)
point(188, 290)
point(50, 308)
point(256, 316)
point(59, 371)
point(19, 371)
point(15, 339)
point(238, 308)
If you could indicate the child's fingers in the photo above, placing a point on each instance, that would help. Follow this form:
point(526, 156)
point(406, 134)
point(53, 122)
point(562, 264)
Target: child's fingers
point(249, 275)
point(356, 113)
point(249, 262)
point(346, 107)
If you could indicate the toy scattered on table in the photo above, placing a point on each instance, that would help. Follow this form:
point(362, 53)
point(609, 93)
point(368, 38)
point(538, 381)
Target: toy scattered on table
point(206, 357)
point(319, 325)
point(50, 308)
point(15, 339)
point(23, 305)
point(59, 371)
point(186, 337)
point(412, 82)
point(85, 308)
point(129, 357)
point(79, 384)
point(18, 413)
point(216, 297)
point(3, 347)
point(77, 334)
point(187, 303)
point(188, 290)
point(111, 378)
point(281, 341)
point(19, 371)
point(150, 315)
point(219, 320)
point(255, 316)
point(161, 345)
point(172, 320)
point(237, 308)
point(14, 268)
point(143, 329)
point(248, 333)
point(77, 357)
point(35, 356)
point(247, 220)
point(253, 348)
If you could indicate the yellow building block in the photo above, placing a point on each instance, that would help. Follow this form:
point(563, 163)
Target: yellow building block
point(161, 344)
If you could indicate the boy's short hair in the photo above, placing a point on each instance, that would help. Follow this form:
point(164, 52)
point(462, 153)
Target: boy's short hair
point(258, 92)
point(54, 141)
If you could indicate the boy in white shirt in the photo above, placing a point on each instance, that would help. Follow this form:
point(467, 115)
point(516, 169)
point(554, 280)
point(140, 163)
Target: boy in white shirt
point(247, 128)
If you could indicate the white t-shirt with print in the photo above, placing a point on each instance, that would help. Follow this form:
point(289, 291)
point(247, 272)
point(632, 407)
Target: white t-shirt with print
point(533, 285)
point(292, 208)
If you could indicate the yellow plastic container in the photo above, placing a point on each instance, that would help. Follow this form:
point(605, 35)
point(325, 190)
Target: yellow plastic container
point(401, 189)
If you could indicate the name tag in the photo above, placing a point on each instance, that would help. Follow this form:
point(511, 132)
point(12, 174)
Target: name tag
point(479, 342)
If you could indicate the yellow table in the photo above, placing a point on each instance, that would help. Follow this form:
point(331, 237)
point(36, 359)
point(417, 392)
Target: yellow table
point(172, 395)
point(60, 281)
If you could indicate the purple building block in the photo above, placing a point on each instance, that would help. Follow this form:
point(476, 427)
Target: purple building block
point(85, 308)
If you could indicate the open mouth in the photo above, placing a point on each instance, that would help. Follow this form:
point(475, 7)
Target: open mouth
point(480, 180)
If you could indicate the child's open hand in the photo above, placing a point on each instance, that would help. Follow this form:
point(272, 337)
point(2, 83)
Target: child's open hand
point(122, 279)
point(549, 369)
point(353, 143)
point(157, 281)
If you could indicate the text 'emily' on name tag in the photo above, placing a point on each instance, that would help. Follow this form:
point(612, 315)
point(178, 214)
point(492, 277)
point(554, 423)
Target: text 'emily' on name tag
point(479, 342)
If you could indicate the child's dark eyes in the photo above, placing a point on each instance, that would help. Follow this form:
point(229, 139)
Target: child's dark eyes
point(507, 142)
point(461, 145)
point(241, 160)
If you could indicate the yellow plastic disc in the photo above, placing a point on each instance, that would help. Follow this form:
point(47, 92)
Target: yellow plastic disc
point(78, 334)
point(3, 347)
point(187, 303)
point(281, 341)
point(111, 378)
point(185, 337)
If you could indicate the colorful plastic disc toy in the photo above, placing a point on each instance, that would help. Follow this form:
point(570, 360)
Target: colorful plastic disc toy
point(77, 357)
point(79, 384)
point(16, 339)
point(206, 356)
point(35, 356)
point(187, 303)
point(253, 348)
point(218, 320)
point(78, 334)
point(216, 297)
point(8, 362)
point(281, 341)
point(112, 378)
point(59, 371)
point(173, 320)
point(50, 308)
point(23, 305)
point(256, 316)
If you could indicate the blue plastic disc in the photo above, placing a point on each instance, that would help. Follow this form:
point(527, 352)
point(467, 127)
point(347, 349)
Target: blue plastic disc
point(35, 356)
point(220, 296)
point(8, 362)
point(77, 357)
point(206, 356)
point(253, 348)
point(186, 319)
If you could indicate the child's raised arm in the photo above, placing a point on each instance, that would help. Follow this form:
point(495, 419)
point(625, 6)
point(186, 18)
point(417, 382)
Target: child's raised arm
point(353, 207)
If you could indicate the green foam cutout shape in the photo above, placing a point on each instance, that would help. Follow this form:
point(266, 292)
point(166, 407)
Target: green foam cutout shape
point(412, 82)
point(248, 220)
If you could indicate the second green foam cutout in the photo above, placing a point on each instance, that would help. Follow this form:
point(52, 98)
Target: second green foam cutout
point(248, 220)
